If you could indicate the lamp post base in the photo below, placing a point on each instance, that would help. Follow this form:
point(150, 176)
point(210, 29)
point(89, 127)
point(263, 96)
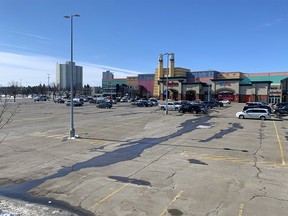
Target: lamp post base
point(72, 133)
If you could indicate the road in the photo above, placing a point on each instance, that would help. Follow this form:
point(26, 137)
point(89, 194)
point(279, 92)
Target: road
point(139, 161)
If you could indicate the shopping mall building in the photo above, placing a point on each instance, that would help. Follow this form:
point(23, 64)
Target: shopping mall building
point(184, 84)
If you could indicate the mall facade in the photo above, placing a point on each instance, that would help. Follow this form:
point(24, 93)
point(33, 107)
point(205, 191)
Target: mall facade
point(184, 84)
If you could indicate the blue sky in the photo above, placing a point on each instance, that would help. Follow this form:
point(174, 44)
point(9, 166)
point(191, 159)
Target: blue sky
point(127, 36)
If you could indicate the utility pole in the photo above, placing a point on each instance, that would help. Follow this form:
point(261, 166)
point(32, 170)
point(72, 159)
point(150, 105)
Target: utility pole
point(48, 76)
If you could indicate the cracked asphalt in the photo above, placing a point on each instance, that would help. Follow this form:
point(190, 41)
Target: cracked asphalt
point(138, 161)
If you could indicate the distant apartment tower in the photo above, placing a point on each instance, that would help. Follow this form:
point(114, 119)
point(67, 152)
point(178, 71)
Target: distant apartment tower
point(63, 76)
point(107, 75)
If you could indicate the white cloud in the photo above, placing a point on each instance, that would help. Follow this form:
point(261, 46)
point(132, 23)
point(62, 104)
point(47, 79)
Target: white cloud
point(30, 35)
point(273, 22)
point(32, 70)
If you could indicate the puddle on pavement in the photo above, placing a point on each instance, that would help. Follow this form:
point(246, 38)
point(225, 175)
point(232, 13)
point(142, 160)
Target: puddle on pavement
point(125, 152)
point(130, 180)
point(194, 161)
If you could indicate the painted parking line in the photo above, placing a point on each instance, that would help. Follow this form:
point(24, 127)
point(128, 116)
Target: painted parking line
point(44, 134)
point(241, 209)
point(109, 196)
point(237, 160)
point(174, 199)
point(66, 136)
point(280, 145)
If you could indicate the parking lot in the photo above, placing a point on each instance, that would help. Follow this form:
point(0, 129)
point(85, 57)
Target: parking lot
point(139, 161)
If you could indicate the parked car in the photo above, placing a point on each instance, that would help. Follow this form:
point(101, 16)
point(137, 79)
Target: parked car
point(187, 107)
point(59, 100)
point(124, 99)
point(258, 106)
point(253, 103)
point(88, 98)
point(225, 101)
point(281, 111)
point(280, 105)
point(254, 113)
point(104, 104)
point(170, 106)
point(40, 98)
point(93, 101)
point(218, 103)
point(203, 108)
point(141, 103)
point(76, 102)
point(210, 104)
point(154, 101)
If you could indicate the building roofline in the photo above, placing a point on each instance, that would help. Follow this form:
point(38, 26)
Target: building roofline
point(235, 79)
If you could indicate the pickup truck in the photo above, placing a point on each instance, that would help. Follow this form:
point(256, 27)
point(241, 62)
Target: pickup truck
point(170, 105)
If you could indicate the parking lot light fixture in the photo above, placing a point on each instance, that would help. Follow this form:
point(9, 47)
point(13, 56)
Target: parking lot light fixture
point(167, 81)
point(72, 130)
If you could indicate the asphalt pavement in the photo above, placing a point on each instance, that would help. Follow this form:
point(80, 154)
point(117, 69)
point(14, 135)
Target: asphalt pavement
point(138, 161)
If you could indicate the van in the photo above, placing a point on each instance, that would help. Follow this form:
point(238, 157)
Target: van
point(254, 113)
point(258, 106)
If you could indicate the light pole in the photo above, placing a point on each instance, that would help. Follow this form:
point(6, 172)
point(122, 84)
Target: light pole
point(167, 74)
point(209, 91)
point(110, 88)
point(72, 130)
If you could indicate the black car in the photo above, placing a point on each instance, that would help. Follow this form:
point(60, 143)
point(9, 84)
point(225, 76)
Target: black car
point(104, 104)
point(141, 103)
point(192, 108)
point(40, 98)
point(218, 103)
point(59, 100)
point(281, 111)
point(280, 105)
point(210, 104)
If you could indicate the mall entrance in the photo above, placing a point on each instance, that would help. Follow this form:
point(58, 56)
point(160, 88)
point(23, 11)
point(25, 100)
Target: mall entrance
point(226, 95)
point(190, 95)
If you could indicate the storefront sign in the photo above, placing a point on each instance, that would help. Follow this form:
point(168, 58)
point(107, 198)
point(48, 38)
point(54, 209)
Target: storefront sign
point(275, 92)
point(173, 84)
point(225, 84)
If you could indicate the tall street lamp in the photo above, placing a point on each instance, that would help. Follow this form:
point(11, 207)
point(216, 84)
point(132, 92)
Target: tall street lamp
point(72, 130)
point(167, 74)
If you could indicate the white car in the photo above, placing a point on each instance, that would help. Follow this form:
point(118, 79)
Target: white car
point(170, 106)
point(254, 113)
point(225, 101)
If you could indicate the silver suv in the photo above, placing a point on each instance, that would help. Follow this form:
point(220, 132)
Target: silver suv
point(254, 113)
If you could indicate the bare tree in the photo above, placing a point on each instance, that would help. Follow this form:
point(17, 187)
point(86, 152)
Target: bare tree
point(14, 89)
point(7, 112)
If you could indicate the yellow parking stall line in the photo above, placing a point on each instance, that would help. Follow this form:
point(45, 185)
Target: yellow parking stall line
point(96, 142)
point(280, 145)
point(242, 161)
point(63, 136)
point(230, 159)
point(58, 136)
point(241, 209)
point(268, 164)
point(174, 199)
point(43, 134)
point(109, 196)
